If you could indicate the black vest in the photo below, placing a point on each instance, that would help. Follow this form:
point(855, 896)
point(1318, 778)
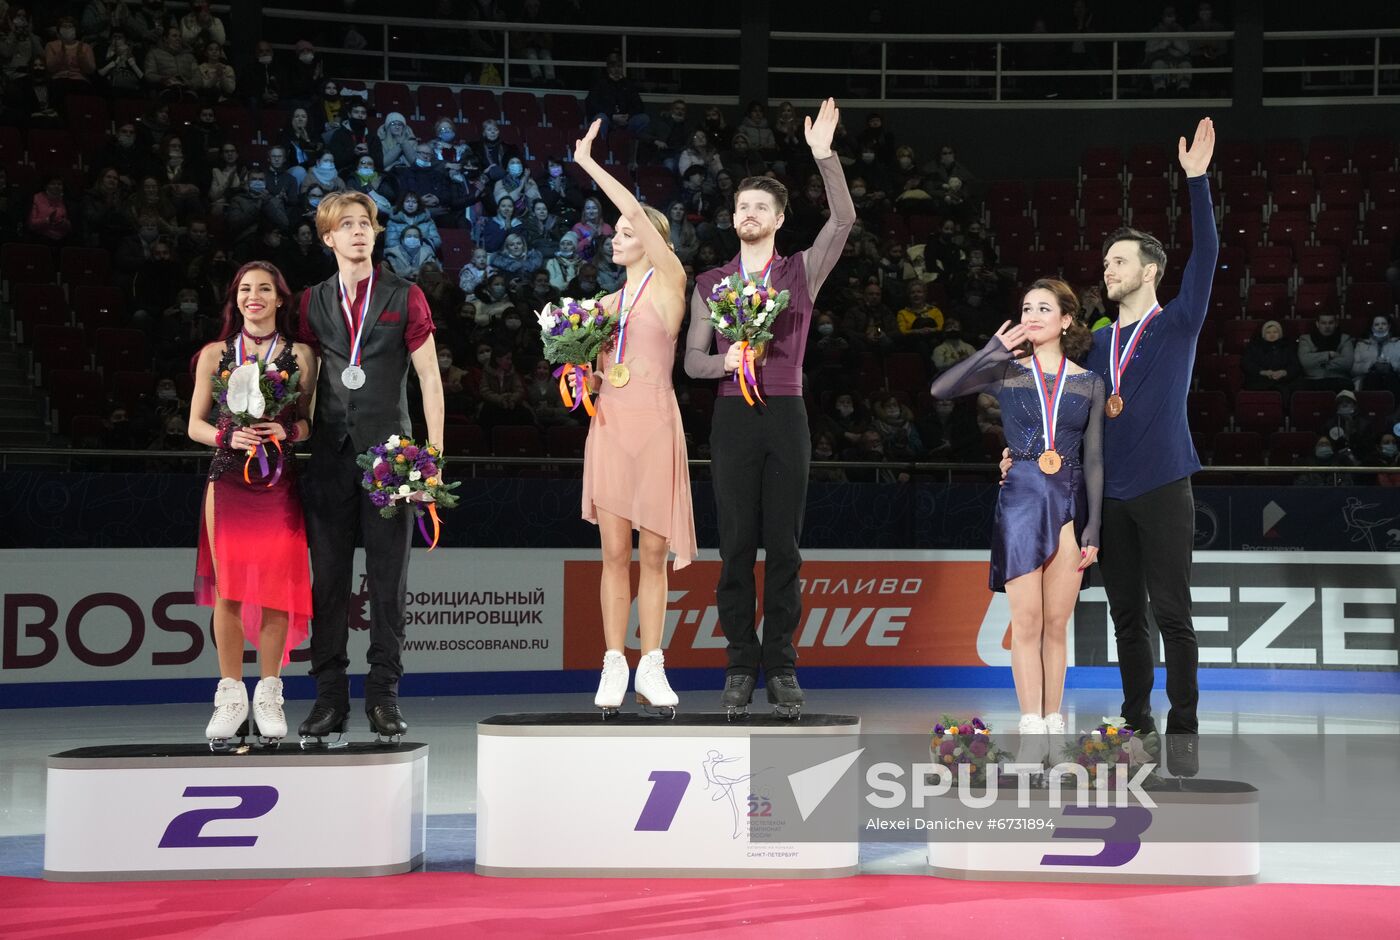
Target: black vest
point(379, 408)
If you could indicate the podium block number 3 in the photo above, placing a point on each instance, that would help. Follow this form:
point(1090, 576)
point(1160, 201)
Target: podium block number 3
point(667, 788)
point(184, 831)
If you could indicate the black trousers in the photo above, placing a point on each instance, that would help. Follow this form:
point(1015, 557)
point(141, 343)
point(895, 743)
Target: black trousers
point(1146, 563)
point(336, 509)
point(759, 462)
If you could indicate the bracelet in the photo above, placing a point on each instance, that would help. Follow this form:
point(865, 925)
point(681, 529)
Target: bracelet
point(219, 438)
point(294, 432)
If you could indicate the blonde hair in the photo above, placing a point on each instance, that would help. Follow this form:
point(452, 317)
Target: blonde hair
point(334, 206)
point(659, 221)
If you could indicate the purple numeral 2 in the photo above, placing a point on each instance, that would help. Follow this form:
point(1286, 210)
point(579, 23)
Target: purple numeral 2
point(184, 830)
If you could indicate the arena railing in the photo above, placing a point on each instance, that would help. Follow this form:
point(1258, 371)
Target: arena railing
point(468, 467)
point(1373, 78)
point(998, 81)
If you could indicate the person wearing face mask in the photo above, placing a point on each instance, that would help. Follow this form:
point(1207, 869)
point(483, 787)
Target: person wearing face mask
point(829, 352)
point(323, 176)
point(585, 283)
point(1270, 362)
point(122, 153)
point(1376, 365)
point(475, 271)
point(561, 194)
point(1388, 455)
point(824, 448)
point(1348, 424)
point(952, 348)
point(329, 111)
point(591, 226)
point(449, 148)
point(949, 432)
point(440, 191)
point(907, 175)
point(495, 153)
point(493, 300)
point(311, 199)
point(895, 424)
point(1329, 451)
point(397, 145)
point(847, 419)
point(305, 77)
point(353, 138)
point(70, 62)
point(256, 203)
point(105, 219)
point(565, 264)
point(543, 229)
point(199, 24)
point(454, 393)
point(263, 80)
point(155, 284)
point(410, 254)
point(516, 184)
point(369, 181)
point(411, 212)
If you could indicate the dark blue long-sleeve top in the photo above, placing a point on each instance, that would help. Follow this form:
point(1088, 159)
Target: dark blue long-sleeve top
point(1149, 444)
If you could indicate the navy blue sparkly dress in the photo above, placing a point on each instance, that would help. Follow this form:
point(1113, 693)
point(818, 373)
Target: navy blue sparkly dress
point(1033, 506)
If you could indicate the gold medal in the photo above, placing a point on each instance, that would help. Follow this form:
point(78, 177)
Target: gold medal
point(1049, 462)
point(619, 375)
point(1114, 406)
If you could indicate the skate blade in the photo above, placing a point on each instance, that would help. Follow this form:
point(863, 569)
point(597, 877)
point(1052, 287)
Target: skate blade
point(655, 711)
point(312, 742)
point(788, 712)
point(739, 711)
point(389, 740)
point(608, 711)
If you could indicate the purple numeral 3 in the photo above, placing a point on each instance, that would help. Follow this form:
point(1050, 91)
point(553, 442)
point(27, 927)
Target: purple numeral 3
point(1120, 840)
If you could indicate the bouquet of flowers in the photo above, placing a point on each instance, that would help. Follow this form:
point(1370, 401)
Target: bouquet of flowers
point(249, 393)
point(965, 741)
point(574, 332)
point(743, 312)
point(1116, 745)
point(401, 471)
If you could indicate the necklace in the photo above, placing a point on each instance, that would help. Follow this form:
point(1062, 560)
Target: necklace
point(259, 339)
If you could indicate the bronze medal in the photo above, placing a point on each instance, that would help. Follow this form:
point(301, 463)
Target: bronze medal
point(1049, 462)
point(619, 375)
point(1114, 406)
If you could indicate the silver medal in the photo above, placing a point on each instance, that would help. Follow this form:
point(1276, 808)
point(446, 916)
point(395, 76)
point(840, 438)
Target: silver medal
point(353, 377)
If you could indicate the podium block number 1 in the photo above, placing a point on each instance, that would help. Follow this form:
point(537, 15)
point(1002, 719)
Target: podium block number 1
point(667, 788)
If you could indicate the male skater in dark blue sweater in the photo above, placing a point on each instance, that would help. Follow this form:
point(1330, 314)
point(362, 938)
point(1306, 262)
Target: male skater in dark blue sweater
point(1145, 359)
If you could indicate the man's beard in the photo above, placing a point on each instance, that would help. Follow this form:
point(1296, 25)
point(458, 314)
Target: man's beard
point(753, 233)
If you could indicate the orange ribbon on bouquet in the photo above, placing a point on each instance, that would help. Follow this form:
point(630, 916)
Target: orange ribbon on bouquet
point(580, 373)
point(261, 454)
point(437, 527)
point(746, 377)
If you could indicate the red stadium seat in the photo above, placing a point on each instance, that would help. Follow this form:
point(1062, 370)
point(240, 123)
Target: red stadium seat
point(1207, 411)
point(521, 108)
point(1288, 228)
point(1384, 190)
point(905, 372)
point(1319, 264)
point(11, 145)
point(463, 440)
point(1375, 405)
point(130, 387)
point(1149, 193)
point(60, 347)
point(1083, 267)
point(26, 264)
point(1373, 154)
point(516, 441)
point(1221, 372)
point(1307, 410)
point(478, 104)
point(1281, 156)
point(1293, 191)
point(1266, 302)
point(53, 150)
point(393, 96)
point(1382, 225)
point(565, 441)
point(1150, 161)
point(1101, 163)
point(1328, 154)
point(95, 307)
point(1236, 157)
point(1053, 197)
point(1101, 195)
point(1341, 191)
point(1367, 262)
point(1236, 333)
point(76, 392)
point(1006, 198)
point(37, 304)
point(1259, 411)
point(1365, 299)
point(1244, 193)
point(118, 348)
point(85, 266)
point(1295, 327)
point(1059, 232)
point(435, 101)
point(1291, 448)
point(1336, 227)
point(1099, 225)
point(1237, 449)
point(1312, 299)
point(564, 111)
point(1244, 228)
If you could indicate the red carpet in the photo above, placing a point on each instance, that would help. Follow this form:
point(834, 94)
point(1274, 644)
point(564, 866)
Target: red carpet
point(871, 906)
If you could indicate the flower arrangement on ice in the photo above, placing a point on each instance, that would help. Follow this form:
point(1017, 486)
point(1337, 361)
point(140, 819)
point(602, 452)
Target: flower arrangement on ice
point(574, 332)
point(250, 393)
point(965, 741)
point(743, 311)
point(400, 470)
point(1117, 746)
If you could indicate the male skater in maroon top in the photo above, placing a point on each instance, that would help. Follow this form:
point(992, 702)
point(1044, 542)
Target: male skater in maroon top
point(760, 455)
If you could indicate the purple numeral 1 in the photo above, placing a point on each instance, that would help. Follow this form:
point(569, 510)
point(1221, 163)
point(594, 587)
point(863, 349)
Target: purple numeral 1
point(184, 830)
point(668, 786)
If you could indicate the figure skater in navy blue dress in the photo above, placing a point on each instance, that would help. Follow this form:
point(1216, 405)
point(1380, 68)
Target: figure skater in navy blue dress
point(1046, 530)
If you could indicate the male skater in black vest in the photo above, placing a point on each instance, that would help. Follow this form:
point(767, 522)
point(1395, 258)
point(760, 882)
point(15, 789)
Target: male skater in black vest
point(367, 324)
point(759, 457)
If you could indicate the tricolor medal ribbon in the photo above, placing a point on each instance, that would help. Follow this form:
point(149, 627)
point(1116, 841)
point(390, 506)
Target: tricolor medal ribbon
point(1118, 363)
point(1049, 412)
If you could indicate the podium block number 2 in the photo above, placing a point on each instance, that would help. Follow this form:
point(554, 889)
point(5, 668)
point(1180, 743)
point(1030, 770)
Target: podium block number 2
point(667, 788)
point(184, 831)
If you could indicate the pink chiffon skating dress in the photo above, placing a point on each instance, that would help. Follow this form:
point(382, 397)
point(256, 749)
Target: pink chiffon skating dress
point(634, 462)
